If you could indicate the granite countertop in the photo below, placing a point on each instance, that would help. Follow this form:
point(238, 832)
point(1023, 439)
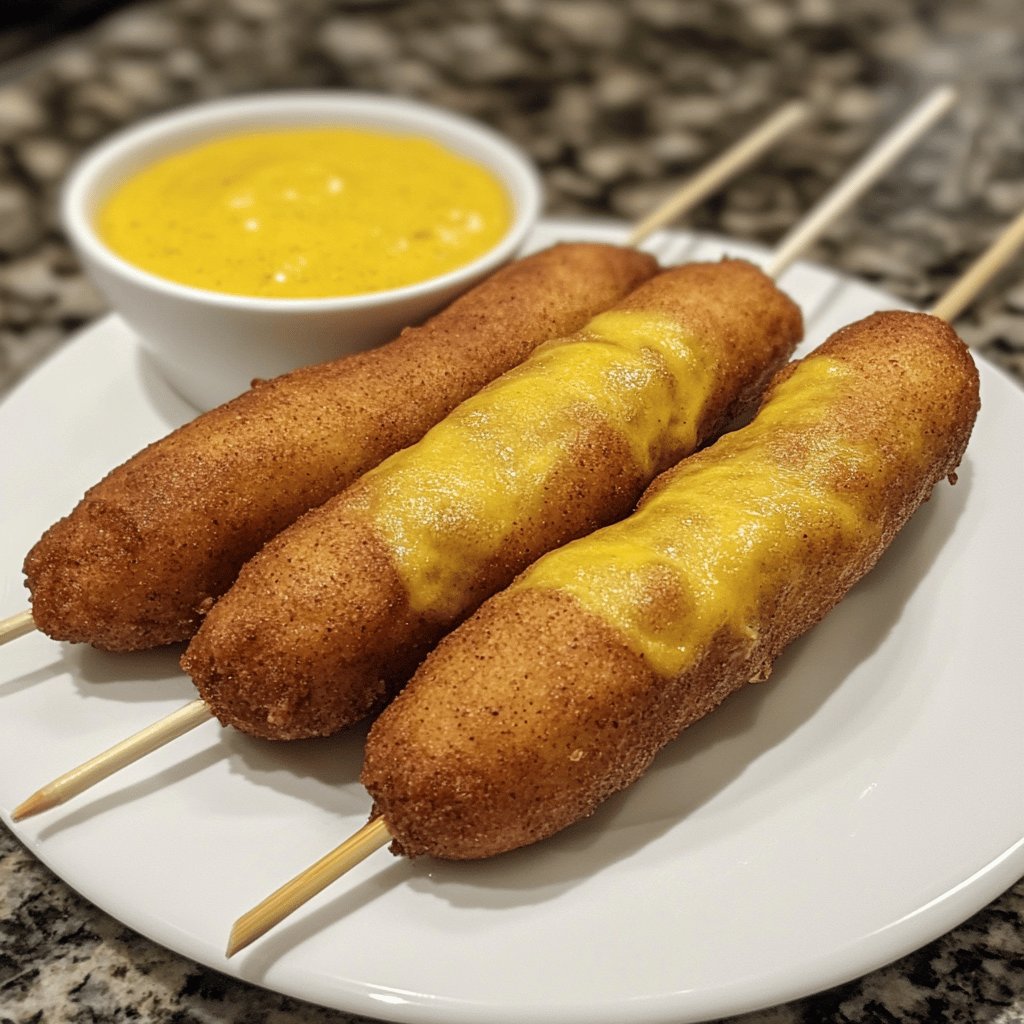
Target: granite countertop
point(616, 103)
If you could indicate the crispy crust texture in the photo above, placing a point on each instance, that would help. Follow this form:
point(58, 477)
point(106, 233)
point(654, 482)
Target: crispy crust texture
point(147, 550)
point(298, 647)
point(534, 711)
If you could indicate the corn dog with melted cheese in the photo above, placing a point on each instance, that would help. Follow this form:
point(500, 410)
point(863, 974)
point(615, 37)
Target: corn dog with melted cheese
point(147, 550)
point(333, 615)
point(561, 689)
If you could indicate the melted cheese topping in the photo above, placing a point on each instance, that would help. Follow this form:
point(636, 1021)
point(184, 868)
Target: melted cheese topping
point(735, 524)
point(306, 213)
point(446, 505)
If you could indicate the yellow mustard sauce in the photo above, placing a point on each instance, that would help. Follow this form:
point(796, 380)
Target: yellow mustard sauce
point(446, 505)
point(306, 213)
point(724, 530)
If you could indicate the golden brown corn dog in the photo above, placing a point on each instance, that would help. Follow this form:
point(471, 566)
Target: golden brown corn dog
point(334, 613)
point(561, 689)
point(143, 555)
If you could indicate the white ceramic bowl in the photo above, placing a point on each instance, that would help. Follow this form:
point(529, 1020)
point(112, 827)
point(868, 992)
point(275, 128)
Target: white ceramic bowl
point(210, 345)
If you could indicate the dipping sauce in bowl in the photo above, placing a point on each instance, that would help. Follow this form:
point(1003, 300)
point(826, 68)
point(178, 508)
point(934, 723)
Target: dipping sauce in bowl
point(306, 213)
point(245, 237)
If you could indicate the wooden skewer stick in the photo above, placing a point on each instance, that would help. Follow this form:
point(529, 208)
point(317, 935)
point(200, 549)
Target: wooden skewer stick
point(707, 181)
point(176, 724)
point(864, 174)
point(16, 625)
point(964, 290)
point(280, 904)
point(99, 767)
point(689, 195)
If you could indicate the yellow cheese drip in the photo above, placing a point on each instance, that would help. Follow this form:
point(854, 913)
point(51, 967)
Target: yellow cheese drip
point(447, 504)
point(726, 528)
point(306, 213)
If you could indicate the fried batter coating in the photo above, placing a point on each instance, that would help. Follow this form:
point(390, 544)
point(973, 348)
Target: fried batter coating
point(334, 614)
point(560, 690)
point(147, 550)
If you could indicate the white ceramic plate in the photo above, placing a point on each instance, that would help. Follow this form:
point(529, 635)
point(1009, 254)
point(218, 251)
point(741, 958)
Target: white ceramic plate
point(866, 800)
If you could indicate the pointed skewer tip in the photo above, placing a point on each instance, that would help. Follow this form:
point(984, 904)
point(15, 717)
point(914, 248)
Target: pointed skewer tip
point(122, 754)
point(293, 894)
point(237, 941)
point(38, 802)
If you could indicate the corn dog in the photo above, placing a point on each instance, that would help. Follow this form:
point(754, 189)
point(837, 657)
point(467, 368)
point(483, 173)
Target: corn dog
point(148, 549)
point(561, 689)
point(333, 615)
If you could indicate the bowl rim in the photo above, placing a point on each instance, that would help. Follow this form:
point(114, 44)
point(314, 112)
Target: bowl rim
point(510, 164)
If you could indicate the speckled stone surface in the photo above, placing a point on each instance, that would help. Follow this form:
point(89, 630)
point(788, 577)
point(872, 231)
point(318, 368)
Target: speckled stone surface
point(616, 102)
